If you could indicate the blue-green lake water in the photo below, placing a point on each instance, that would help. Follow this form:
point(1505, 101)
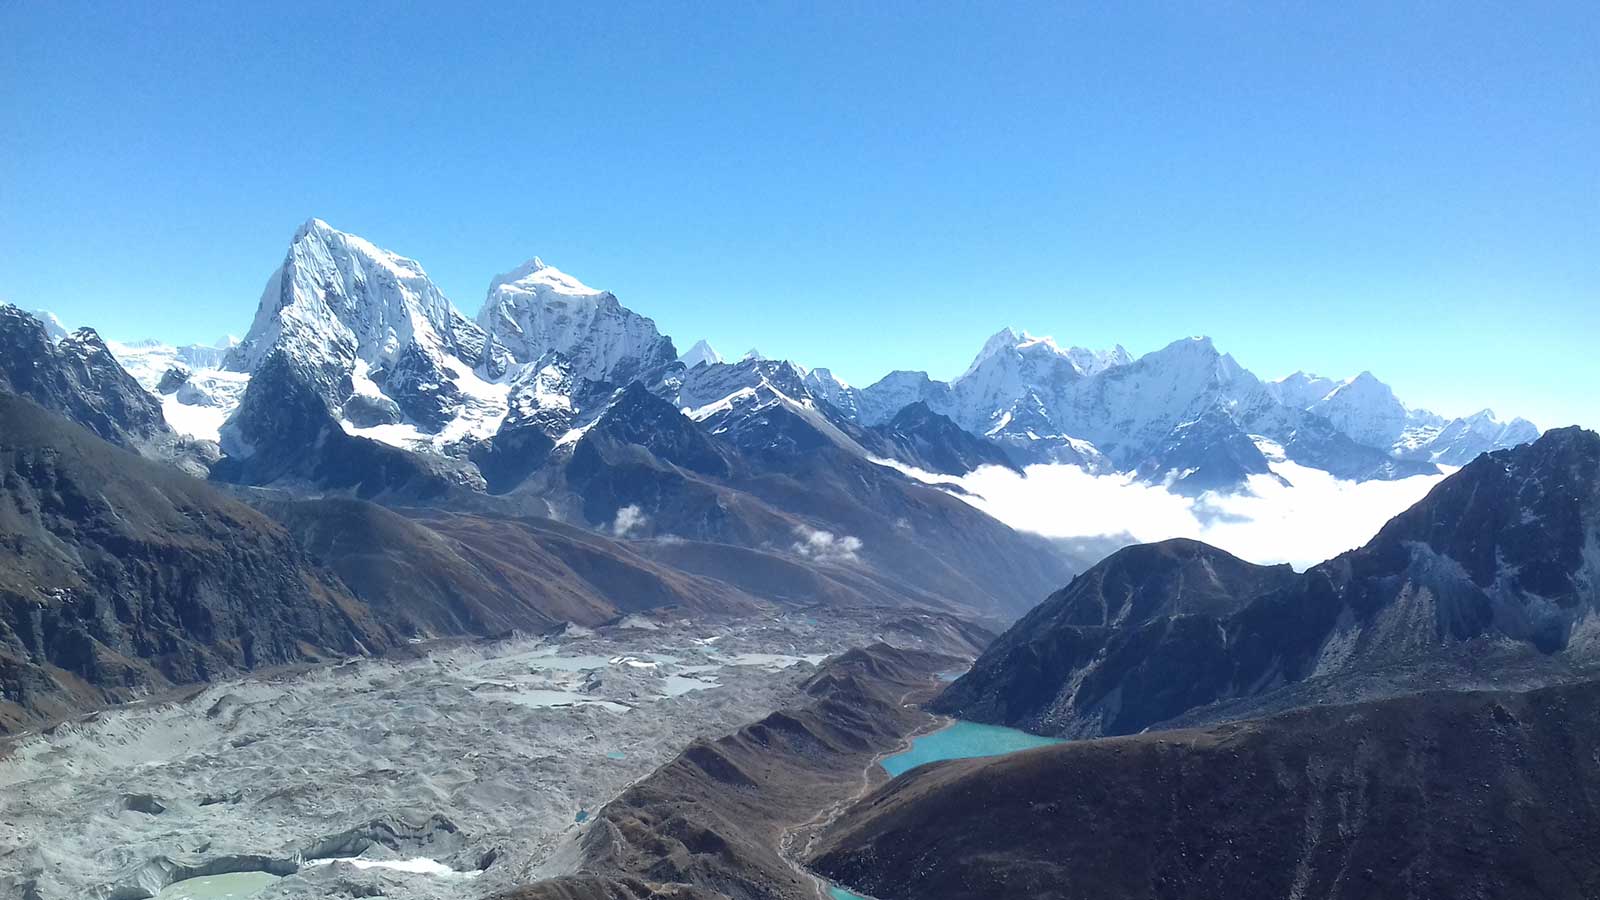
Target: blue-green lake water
point(963, 740)
point(839, 893)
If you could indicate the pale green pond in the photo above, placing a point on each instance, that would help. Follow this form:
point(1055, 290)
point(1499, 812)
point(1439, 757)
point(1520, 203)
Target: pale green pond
point(217, 887)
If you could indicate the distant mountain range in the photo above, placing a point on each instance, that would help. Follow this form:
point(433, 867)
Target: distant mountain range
point(390, 358)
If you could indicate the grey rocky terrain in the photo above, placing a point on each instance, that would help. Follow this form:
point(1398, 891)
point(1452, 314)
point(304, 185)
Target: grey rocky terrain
point(481, 757)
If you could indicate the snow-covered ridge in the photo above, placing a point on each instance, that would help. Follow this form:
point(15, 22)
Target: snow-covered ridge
point(392, 359)
point(536, 310)
point(1368, 411)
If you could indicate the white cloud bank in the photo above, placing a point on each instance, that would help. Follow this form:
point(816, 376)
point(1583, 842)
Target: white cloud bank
point(1313, 518)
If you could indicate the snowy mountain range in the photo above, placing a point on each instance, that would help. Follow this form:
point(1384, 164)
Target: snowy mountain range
point(369, 335)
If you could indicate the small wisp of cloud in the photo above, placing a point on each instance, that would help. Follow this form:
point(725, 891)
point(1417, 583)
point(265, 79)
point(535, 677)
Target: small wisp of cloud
point(825, 546)
point(630, 521)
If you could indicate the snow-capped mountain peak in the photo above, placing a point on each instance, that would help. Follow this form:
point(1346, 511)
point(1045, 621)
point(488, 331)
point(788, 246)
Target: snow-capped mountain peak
point(374, 338)
point(1093, 362)
point(1008, 342)
point(534, 275)
point(701, 353)
point(999, 342)
point(1301, 389)
point(536, 309)
point(1366, 409)
point(338, 297)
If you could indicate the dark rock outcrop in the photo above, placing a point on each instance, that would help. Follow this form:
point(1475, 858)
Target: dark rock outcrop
point(283, 435)
point(920, 437)
point(79, 379)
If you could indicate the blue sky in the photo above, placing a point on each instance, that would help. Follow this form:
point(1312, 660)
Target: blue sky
point(1408, 188)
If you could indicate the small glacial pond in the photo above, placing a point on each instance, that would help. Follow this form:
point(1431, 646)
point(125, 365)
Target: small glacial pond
point(217, 887)
point(839, 893)
point(963, 740)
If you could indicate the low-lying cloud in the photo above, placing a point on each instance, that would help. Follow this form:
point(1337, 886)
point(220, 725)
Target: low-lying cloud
point(1314, 517)
point(825, 546)
point(631, 520)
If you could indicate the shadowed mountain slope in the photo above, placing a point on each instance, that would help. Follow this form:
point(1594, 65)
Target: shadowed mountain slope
point(120, 575)
point(1434, 795)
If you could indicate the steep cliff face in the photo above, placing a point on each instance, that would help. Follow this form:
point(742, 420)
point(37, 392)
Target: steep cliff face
point(76, 376)
point(120, 576)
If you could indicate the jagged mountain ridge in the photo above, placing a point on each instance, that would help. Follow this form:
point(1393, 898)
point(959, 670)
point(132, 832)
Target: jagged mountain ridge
point(394, 361)
point(77, 376)
point(1493, 572)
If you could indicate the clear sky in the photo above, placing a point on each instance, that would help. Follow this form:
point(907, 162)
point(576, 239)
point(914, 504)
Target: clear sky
point(1411, 188)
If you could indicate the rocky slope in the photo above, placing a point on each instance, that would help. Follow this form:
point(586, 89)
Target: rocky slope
point(1493, 573)
point(1433, 795)
point(76, 376)
point(283, 435)
point(718, 818)
point(437, 574)
point(119, 576)
point(798, 485)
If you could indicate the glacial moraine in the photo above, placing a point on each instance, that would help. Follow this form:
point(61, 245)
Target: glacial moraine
point(474, 759)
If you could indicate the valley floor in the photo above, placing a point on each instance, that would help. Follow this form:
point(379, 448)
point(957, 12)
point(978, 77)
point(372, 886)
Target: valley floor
point(481, 758)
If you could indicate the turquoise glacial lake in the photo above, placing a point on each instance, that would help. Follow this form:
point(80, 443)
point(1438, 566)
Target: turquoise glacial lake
point(963, 740)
